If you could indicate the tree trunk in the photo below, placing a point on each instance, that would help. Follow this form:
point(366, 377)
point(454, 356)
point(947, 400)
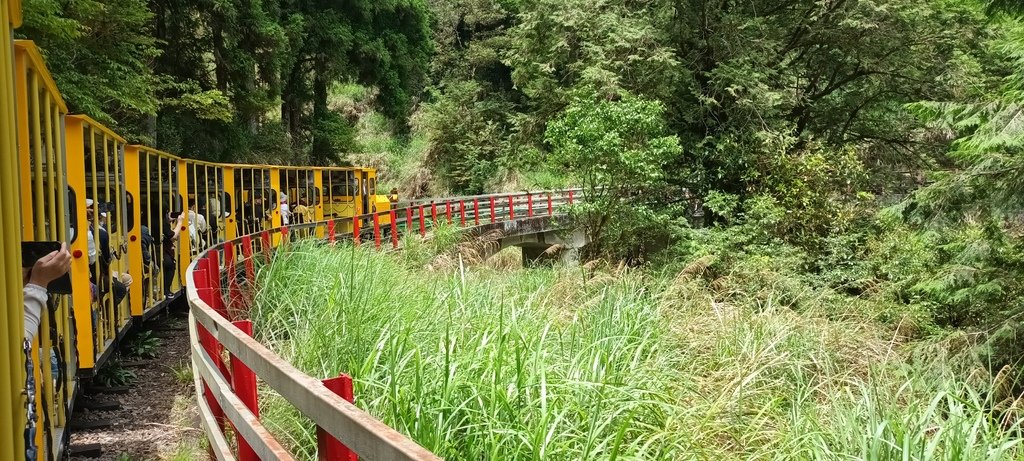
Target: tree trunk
point(321, 153)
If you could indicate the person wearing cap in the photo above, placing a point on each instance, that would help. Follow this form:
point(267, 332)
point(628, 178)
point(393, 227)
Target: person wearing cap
point(102, 253)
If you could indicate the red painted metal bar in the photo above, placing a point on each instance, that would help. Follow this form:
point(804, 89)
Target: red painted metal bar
point(570, 197)
point(250, 271)
point(408, 220)
point(355, 230)
point(208, 342)
point(243, 383)
point(511, 207)
point(433, 213)
point(215, 288)
point(376, 230)
point(394, 229)
point(284, 234)
point(529, 205)
point(423, 224)
point(550, 209)
point(328, 447)
point(330, 231)
point(492, 210)
point(448, 210)
point(234, 291)
point(462, 213)
point(476, 211)
point(266, 245)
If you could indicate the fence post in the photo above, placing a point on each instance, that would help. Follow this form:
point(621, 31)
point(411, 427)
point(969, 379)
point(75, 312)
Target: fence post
point(570, 197)
point(355, 230)
point(493, 218)
point(433, 213)
point(448, 211)
point(217, 300)
point(376, 230)
point(550, 209)
point(462, 213)
point(250, 270)
point(234, 291)
point(243, 383)
point(423, 224)
point(266, 245)
point(529, 204)
point(207, 341)
point(329, 448)
point(330, 231)
point(284, 234)
point(394, 229)
point(476, 211)
point(511, 207)
point(408, 220)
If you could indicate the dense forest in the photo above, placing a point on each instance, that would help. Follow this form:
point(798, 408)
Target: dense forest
point(870, 149)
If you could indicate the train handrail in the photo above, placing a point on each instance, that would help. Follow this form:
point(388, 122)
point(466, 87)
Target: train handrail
point(211, 330)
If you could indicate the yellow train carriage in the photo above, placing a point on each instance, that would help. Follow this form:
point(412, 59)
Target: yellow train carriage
point(46, 215)
point(70, 178)
point(351, 192)
point(159, 184)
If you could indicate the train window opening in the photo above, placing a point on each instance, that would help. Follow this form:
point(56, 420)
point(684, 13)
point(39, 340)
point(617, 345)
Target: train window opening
point(73, 213)
point(129, 211)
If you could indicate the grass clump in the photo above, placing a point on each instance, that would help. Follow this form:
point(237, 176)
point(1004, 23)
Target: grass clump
point(567, 364)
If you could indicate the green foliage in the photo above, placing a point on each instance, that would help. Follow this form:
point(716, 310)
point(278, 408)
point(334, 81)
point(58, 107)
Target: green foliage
point(100, 54)
point(208, 79)
point(182, 373)
point(616, 150)
point(465, 132)
point(143, 345)
point(598, 364)
point(333, 134)
point(115, 374)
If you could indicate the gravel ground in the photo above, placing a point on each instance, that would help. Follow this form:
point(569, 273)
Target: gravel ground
point(158, 419)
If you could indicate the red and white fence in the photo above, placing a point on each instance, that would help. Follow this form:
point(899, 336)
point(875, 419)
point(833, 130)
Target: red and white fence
point(227, 361)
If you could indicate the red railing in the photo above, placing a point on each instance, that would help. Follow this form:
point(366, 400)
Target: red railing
point(227, 389)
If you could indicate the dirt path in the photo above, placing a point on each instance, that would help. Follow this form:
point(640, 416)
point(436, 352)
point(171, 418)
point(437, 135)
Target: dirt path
point(157, 418)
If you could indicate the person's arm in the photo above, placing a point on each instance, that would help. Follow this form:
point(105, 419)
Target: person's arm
point(35, 299)
point(105, 246)
point(44, 271)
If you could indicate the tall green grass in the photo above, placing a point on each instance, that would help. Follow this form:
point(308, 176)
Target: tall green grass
point(572, 364)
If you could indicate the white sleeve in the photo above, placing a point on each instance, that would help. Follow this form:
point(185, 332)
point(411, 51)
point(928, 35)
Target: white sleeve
point(35, 298)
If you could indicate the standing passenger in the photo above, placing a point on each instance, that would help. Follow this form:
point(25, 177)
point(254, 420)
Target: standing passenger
point(170, 236)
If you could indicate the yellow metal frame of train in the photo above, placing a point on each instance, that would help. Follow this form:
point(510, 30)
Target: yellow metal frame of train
point(44, 217)
point(12, 399)
point(50, 163)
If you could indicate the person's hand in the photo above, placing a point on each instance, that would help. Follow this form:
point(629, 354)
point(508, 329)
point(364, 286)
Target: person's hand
point(50, 267)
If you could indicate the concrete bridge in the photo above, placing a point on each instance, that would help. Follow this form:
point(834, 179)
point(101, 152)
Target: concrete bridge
point(544, 239)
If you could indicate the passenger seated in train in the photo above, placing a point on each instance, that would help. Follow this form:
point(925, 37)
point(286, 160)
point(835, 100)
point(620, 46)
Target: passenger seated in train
point(302, 213)
point(214, 209)
point(105, 256)
point(147, 257)
point(286, 212)
point(197, 227)
point(252, 214)
point(34, 282)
